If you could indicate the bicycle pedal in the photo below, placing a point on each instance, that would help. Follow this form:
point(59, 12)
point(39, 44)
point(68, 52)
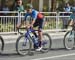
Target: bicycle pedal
point(43, 43)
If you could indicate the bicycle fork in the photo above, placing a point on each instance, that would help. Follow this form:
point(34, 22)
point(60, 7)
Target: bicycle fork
point(25, 40)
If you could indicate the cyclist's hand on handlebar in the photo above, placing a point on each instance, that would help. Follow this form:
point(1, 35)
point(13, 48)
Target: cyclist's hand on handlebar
point(28, 26)
point(17, 26)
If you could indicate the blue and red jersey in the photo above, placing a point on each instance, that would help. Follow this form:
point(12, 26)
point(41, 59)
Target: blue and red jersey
point(35, 15)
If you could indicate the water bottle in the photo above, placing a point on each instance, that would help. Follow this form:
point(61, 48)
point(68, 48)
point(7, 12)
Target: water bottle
point(35, 40)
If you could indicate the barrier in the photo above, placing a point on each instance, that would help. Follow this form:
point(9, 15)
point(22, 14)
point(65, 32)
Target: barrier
point(53, 20)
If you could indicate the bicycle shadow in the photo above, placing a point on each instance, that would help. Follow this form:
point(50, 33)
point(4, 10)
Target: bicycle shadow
point(11, 55)
point(58, 49)
point(55, 49)
point(14, 55)
point(32, 53)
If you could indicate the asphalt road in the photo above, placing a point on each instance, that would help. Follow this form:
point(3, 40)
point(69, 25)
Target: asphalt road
point(57, 52)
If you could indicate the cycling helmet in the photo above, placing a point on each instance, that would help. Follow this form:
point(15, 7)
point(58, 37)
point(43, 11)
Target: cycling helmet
point(29, 6)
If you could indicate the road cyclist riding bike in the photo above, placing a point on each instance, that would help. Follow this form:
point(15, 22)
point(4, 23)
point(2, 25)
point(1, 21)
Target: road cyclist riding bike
point(69, 38)
point(37, 20)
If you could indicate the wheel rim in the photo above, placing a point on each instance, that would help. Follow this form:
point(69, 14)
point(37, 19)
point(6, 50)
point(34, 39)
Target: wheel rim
point(46, 42)
point(0, 46)
point(69, 40)
point(23, 46)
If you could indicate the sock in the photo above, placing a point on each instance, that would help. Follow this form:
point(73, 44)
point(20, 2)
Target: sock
point(40, 43)
point(35, 35)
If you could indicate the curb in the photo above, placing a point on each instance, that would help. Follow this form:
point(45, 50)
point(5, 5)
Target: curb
point(9, 37)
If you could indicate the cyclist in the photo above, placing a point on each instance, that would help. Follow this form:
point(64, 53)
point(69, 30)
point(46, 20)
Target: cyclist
point(37, 20)
point(72, 17)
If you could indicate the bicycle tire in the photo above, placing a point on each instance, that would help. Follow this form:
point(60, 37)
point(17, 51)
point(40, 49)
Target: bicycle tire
point(71, 46)
point(17, 46)
point(2, 44)
point(50, 43)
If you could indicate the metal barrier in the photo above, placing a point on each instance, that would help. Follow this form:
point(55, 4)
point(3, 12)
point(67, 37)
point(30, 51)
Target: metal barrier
point(49, 20)
point(8, 21)
point(53, 20)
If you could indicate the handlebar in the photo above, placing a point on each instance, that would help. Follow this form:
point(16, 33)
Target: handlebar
point(28, 29)
point(21, 28)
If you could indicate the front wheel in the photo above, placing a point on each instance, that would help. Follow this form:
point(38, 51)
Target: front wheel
point(46, 42)
point(23, 45)
point(69, 40)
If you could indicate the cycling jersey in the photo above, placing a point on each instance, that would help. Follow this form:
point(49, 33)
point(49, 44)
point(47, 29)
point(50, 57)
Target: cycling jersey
point(35, 15)
point(72, 16)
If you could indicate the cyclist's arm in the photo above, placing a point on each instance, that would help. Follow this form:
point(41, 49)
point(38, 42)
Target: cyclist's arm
point(20, 24)
point(71, 20)
point(70, 23)
point(33, 21)
point(34, 17)
point(25, 18)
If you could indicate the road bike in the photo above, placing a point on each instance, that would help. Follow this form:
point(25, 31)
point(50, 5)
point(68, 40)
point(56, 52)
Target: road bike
point(25, 42)
point(1, 44)
point(69, 38)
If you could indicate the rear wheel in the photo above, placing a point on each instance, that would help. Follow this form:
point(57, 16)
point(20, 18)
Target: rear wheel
point(23, 45)
point(69, 40)
point(1, 44)
point(46, 42)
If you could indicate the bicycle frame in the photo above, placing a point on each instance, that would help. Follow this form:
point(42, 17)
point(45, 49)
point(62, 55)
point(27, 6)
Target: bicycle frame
point(27, 34)
point(30, 30)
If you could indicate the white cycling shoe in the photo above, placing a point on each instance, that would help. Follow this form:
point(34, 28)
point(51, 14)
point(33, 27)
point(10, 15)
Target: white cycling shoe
point(39, 49)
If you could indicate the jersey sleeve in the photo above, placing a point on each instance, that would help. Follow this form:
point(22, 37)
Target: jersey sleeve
point(26, 16)
point(71, 16)
point(34, 15)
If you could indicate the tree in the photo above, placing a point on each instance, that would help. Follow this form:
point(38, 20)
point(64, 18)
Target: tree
point(31, 1)
point(61, 4)
point(9, 3)
point(53, 5)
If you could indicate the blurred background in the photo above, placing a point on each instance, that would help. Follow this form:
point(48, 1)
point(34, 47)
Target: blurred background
point(41, 5)
point(56, 12)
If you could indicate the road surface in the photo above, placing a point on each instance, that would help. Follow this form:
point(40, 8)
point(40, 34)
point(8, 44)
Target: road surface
point(57, 52)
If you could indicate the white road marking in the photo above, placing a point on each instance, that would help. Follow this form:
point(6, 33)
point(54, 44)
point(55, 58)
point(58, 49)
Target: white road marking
point(59, 56)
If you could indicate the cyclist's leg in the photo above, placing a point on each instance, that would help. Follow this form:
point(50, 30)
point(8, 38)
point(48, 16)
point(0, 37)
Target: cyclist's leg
point(40, 36)
point(39, 23)
point(35, 25)
point(73, 24)
point(40, 33)
point(40, 30)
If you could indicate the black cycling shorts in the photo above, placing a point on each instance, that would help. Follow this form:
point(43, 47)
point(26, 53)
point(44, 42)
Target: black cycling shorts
point(39, 23)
